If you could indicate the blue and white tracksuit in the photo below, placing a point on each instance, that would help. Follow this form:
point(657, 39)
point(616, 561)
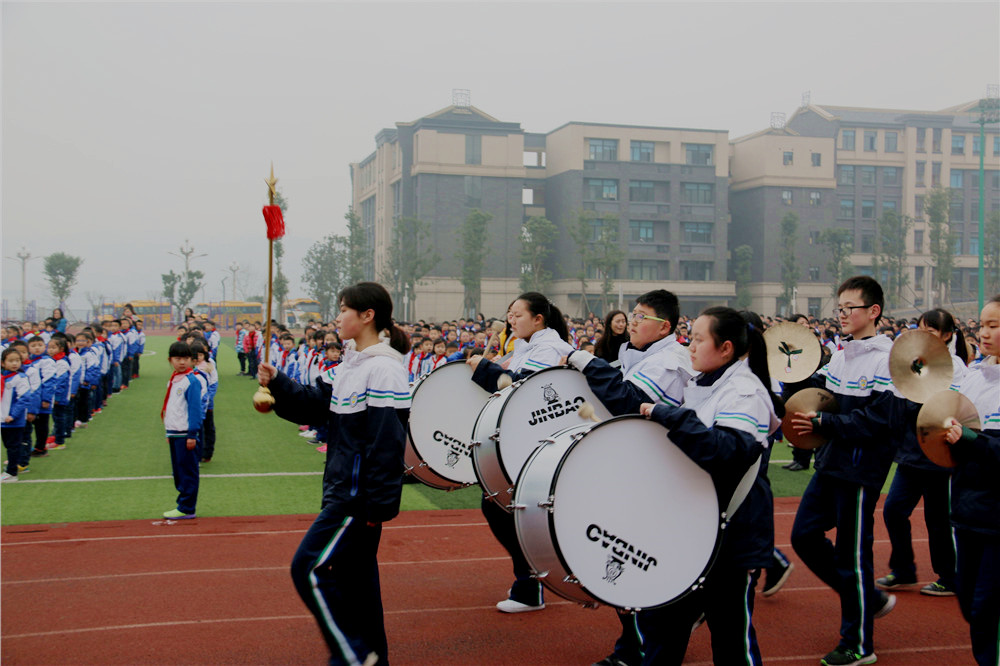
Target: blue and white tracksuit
point(723, 426)
point(62, 386)
point(975, 498)
point(335, 569)
point(544, 350)
point(15, 399)
point(850, 471)
point(182, 418)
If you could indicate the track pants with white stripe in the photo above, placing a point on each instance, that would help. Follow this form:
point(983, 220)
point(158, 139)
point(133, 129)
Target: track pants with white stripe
point(727, 600)
point(847, 565)
point(335, 571)
point(978, 588)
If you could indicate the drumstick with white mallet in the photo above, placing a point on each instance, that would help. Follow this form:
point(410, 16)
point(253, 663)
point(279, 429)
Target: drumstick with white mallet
point(586, 412)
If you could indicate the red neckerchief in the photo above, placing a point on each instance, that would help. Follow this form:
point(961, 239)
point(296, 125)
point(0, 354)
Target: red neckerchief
point(59, 356)
point(3, 381)
point(101, 338)
point(284, 355)
point(170, 385)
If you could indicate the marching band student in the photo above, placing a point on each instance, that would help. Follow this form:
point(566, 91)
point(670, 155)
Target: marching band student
point(917, 477)
point(540, 325)
point(655, 367)
point(182, 418)
point(335, 569)
point(850, 470)
point(15, 396)
point(723, 426)
point(975, 495)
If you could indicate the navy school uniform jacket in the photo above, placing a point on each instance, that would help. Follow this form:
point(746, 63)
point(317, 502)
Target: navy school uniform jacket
point(862, 439)
point(975, 491)
point(724, 428)
point(544, 350)
point(909, 453)
point(366, 407)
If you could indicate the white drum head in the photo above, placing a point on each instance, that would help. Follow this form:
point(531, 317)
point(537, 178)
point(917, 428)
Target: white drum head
point(636, 521)
point(443, 410)
point(542, 404)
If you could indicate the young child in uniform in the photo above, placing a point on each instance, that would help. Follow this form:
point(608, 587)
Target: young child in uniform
point(540, 326)
point(182, 418)
point(335, 569)
point(61, 387)
point(15, 396)
point(205, 364)
point(41, 363)
point(723, 426)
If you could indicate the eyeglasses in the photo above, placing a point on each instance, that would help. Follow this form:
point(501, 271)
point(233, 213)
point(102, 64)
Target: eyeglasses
point(847, 310)
point(640, 316)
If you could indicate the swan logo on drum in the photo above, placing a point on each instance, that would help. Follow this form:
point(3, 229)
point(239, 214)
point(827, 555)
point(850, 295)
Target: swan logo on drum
point(622, 553)
point(555, 409)
point(456, 448)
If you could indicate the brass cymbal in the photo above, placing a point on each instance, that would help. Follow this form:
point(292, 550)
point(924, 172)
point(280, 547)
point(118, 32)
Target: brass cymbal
point(920, 365)
point(793, 352)
point(931, 420)
point(805, 401)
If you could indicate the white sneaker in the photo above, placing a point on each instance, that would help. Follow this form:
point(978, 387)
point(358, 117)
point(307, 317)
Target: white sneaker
point(308, 434)
point(7, 478)
point(511, 606)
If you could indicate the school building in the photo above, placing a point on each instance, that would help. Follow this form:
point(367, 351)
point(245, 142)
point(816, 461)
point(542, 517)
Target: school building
point(683, 199)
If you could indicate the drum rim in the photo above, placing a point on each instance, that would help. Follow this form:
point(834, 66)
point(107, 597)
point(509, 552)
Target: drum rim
point(512, 483)
point(416, 450)
point(559, 551)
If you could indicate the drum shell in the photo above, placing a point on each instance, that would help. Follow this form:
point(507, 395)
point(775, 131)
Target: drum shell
point(684, 504)
point(444, 406)
point(502, 437)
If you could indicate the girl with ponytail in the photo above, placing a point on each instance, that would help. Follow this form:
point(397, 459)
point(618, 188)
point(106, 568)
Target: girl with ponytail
point(723, 426)
point(540, 327)
point(366, 408)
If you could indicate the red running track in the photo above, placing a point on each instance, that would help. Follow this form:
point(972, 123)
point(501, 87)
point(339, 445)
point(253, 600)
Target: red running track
point(217, 591)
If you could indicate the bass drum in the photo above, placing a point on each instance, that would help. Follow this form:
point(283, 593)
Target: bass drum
point(517, 419)
point(613, 513)
point(443, 409)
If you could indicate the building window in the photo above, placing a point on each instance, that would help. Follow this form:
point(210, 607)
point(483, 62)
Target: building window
point(787, 158)
point(642, 151)
point(640, 190)
point(846, 209)
point(935, 174)
point(815, 198)
point(975, 144)
point(642, 269)
point(958, 144)
point(870, 141)
point(867, 209)
point(921, 168)
point(602, 189)
point(995, 180)
point(696, 270)
point(817, 159)
point(473, 149)
point(699, 154)
point(918, 241)
point(698, 193)
point(474, 191)
point(974, 210)
point(814, 273)
point(936, 140)
point(867, 243)
point(846, 175)
point(867, 175)
point(640, 231)
point(956, 211)
point(847, 139)
point(921, 136)
point(918, 206)
point(918, 278)
point(889, 205)
point(604, 150)
point(891, 142)
point(974, 245)
point(786, 197)
point(890, 176)
point(814, 237)
point(697, 232)
point(996, 145)
point(957, 246)
point(957, 178)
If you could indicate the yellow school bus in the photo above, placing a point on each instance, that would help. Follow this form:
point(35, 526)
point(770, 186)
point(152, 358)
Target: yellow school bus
point(152, 313)
point(299, 311)
point(226, 313)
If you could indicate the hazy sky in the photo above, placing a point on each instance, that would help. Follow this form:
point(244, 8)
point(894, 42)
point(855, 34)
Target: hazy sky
point(128, 127)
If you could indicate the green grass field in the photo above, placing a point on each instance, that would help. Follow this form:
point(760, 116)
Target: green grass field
point(118, 468)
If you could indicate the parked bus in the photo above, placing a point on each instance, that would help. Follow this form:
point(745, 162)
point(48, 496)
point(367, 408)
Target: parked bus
point(153, 314)
point(299, 311)
point(226, 313)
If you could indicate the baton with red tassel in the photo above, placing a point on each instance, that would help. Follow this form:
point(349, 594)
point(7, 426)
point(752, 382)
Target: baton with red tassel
point(263, 401)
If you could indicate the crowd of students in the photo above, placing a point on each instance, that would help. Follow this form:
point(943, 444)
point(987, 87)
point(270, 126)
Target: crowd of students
point(54, 383)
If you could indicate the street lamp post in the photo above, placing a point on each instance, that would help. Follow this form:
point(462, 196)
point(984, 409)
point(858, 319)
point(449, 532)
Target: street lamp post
point(234, 267)
point(25, 257)
point(989, 113)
